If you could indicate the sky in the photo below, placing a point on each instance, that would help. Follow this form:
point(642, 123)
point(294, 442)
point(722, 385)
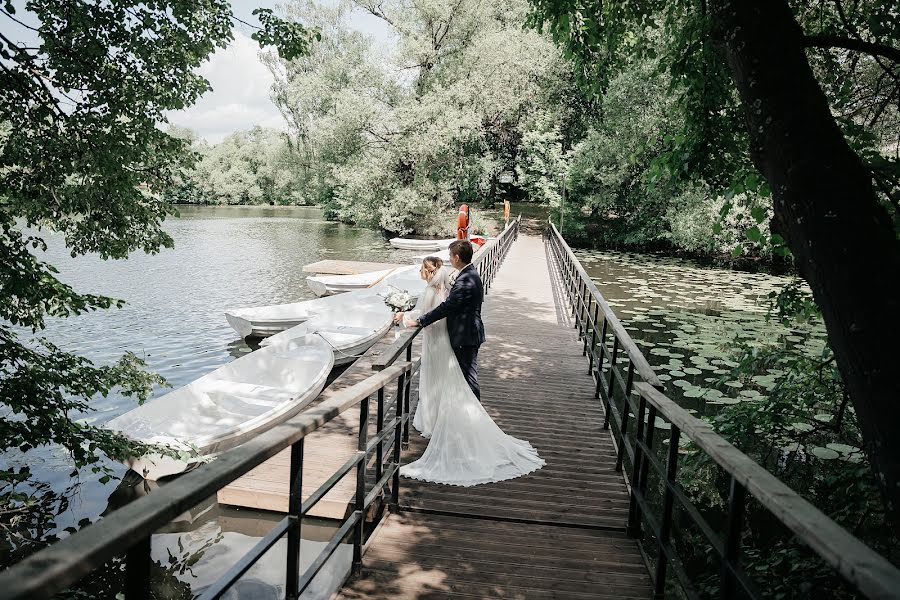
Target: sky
point(240, 82)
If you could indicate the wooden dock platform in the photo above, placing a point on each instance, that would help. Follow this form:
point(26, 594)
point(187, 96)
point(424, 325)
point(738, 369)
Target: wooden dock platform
point(557, 533)
point(348, 267)
point(266, 487)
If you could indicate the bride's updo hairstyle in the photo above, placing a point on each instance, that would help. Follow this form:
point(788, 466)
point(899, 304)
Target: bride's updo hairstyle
point(430, 266)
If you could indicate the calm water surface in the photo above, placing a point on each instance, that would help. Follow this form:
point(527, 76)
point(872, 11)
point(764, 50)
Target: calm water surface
point(224, 257)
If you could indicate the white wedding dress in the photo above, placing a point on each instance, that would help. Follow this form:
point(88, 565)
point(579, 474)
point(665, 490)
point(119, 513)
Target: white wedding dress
point(465, 447)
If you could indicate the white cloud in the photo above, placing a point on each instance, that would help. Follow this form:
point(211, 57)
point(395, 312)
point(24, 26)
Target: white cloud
point(240, 94)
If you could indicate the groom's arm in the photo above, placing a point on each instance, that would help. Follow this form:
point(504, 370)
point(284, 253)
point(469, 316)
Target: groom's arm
point(461, 294)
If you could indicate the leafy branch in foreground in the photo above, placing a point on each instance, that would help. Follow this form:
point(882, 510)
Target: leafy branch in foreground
point(82, 154)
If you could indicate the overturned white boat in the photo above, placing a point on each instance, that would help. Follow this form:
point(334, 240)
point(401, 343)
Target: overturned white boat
point(350, 324)
point(227, 407)
point(323, 285)
point(421, 245)
point(263, 321)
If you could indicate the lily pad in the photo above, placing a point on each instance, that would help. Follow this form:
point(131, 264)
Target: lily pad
point(825, 453)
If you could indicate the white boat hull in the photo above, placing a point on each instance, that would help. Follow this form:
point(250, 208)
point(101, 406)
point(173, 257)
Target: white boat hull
point(264, 321)
point(227, 407)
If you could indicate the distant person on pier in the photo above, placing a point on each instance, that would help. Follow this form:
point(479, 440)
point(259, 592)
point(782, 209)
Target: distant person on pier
point(466, 447)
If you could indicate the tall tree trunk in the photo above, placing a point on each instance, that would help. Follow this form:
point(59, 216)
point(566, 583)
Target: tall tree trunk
point(842, 238)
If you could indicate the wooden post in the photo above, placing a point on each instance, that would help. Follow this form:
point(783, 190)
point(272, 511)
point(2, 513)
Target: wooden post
point(361, 486)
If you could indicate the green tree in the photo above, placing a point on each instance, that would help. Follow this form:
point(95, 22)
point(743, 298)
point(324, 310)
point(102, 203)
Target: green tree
point(81, 153)
point(395, 147)
point(806, 93)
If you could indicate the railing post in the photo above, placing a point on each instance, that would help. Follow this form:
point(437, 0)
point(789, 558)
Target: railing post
point(137, 571)
point(361, 486)
point(295, 504)
point(408, 388)
point(626, 410)
point(665, 527)
point(404, 406)
point(398, 440)
point(634, 524)
point(379, 427)
point(593, 342)
point(600, 366)
point(732, 548)
point(612, 379)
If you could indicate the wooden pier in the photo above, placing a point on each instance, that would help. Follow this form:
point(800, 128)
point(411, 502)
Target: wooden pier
point(580, 391)
point(557, 533)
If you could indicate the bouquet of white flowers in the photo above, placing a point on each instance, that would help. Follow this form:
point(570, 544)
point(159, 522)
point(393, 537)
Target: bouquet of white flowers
point(399, 300)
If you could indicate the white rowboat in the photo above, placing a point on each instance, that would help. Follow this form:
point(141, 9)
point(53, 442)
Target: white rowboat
point(350, 324)
point(264, 321)
point(227, 407)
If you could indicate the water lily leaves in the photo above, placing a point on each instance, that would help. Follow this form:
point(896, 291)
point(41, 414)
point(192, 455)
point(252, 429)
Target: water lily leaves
point(825, 453)
point(802, 427)
point(692, 371)
point(675, 373)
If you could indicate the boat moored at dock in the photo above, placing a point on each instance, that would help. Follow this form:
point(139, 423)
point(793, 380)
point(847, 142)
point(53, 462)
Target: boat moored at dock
point(226, 407)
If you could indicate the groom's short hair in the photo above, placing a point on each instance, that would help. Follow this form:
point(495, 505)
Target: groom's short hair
point(462, 249)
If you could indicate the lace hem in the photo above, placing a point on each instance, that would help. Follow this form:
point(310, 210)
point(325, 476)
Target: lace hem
point(404, 472)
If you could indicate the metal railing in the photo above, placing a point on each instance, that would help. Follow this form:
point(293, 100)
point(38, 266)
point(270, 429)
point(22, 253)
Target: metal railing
point(634, 428)
point(488, 259)
point(127, 531)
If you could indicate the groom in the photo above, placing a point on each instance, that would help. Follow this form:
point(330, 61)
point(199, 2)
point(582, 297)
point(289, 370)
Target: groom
point(462, 309)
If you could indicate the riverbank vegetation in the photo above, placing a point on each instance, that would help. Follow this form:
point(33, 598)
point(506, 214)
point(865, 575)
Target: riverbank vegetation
point(81, 155)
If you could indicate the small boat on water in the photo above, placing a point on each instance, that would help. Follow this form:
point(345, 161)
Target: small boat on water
point(350, 325)
point(228, 406)
point(323, 285)
point(421, 245)
point(263, 321)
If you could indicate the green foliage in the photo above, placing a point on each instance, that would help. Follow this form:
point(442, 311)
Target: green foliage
point(397, 152)
point(248, 167)
point(704, 139)
point(81, 154)
point(802, 429)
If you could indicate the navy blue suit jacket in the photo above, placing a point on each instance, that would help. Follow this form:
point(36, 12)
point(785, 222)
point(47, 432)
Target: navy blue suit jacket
point(462, 309)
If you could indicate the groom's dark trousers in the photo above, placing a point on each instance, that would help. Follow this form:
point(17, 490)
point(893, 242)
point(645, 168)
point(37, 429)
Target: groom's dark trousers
point(467, 357)
point(462, 309)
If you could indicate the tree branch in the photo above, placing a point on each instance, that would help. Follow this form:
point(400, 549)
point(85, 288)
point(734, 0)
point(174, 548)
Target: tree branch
point(857, 45)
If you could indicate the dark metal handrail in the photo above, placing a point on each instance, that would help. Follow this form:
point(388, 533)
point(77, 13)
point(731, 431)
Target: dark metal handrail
point(128, 530)
point(867, 571)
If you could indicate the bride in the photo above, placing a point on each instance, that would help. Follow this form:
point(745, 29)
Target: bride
point(465, 446)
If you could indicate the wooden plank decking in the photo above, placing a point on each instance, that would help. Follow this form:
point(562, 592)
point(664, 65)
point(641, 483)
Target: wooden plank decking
point(348, 267)
point(557, 533)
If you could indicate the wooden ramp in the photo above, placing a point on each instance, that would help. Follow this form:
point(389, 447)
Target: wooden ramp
point(348, 267)
point(557, 533)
